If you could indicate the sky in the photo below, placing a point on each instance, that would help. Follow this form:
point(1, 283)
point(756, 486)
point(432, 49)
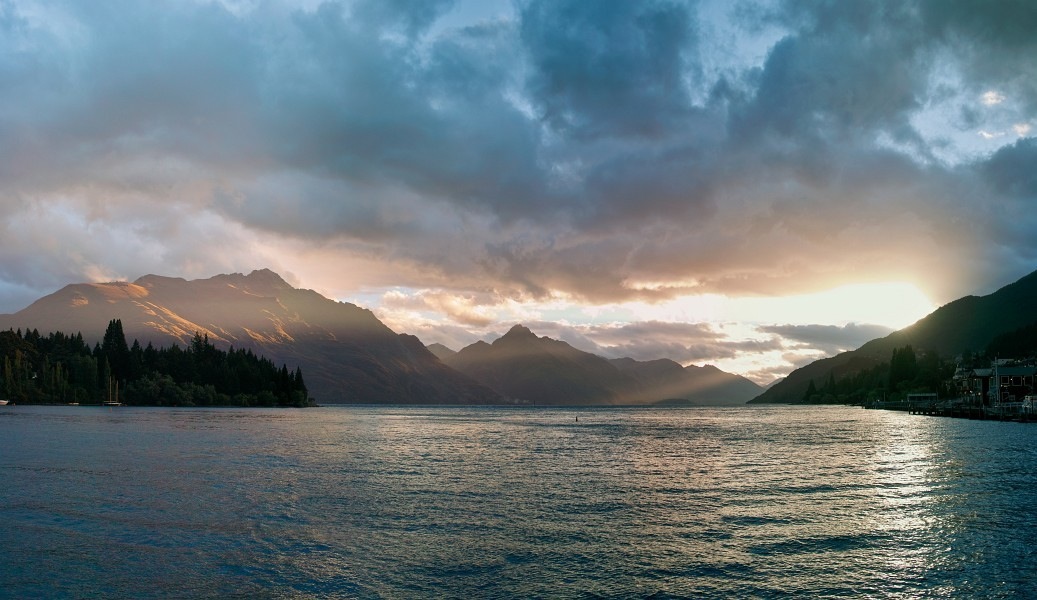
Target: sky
point(749, 184)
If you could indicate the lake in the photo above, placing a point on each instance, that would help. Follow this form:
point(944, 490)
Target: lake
point(368, 502)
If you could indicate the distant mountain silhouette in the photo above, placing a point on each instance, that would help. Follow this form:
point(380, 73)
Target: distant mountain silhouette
point(964, 325)
point(440, 351)
point(345, 352)
point(531, 369)
point(666, 381)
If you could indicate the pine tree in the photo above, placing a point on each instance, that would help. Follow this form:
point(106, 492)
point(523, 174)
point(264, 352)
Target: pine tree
point(903, 367)
point(115, 349)
point(811, 391)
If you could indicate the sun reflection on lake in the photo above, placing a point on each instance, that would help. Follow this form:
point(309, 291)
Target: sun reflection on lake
point(507, 502)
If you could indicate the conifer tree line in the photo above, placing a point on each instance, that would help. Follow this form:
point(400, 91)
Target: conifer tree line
point(60, 369)
point(907, 371)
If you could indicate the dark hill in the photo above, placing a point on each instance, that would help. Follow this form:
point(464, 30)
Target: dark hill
point(541, 370)
point(440, 351)
point(531, 369)
point(968, 324)
point(665, 381)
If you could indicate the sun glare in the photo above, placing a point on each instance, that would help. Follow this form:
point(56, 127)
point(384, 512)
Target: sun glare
point(892, 304)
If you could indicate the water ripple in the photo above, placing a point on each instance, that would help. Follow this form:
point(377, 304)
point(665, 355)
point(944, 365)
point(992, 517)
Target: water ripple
point(368, 502)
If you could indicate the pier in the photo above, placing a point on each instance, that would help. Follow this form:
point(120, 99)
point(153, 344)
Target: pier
point(1004, 392)
point(1014, 411)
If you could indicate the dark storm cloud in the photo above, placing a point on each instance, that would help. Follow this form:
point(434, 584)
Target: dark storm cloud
point(609, 68)
point(995, 42)
point(350, 105)
point(836, 81)
point(1012, 170)
point(605, 150)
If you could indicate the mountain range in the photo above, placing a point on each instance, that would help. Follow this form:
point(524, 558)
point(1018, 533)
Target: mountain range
point(526, 368)
point(345, 352)
point(968, 324)
point(348, 356)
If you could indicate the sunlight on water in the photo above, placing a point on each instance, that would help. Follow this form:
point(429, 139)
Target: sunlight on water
point(496, 502)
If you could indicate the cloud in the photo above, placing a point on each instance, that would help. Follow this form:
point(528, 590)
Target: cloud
point(991, 98)
point(466, 310)
point(1011, 170)
point(611, 68)
point(994, 47)
point(651, 340)
point(646, 340)
point(832, 83)
point(592, 151)
point(576, 146)
point(829, 339)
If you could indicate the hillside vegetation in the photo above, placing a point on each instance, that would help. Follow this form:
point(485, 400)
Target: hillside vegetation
point(60, 368)
point(974, 327)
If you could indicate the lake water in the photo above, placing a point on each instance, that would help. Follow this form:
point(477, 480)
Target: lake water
point(513, 503)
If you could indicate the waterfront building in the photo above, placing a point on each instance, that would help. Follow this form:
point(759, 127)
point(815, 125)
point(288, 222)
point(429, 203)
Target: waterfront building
point(1005, 382)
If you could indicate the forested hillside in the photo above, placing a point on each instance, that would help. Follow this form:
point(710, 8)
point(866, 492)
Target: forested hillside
point(906, 372)
point(963, 327)
point(349, 356)
point(61, 368)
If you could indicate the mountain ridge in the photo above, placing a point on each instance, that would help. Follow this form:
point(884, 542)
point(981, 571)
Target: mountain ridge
point(346, 353)
point(966, 324)
point(530, 369)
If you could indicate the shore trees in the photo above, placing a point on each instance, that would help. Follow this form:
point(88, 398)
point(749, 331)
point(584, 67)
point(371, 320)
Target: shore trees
point(60, 368)
point(906, 372)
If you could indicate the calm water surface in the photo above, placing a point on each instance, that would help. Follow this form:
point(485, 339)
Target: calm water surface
point(500, 503)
